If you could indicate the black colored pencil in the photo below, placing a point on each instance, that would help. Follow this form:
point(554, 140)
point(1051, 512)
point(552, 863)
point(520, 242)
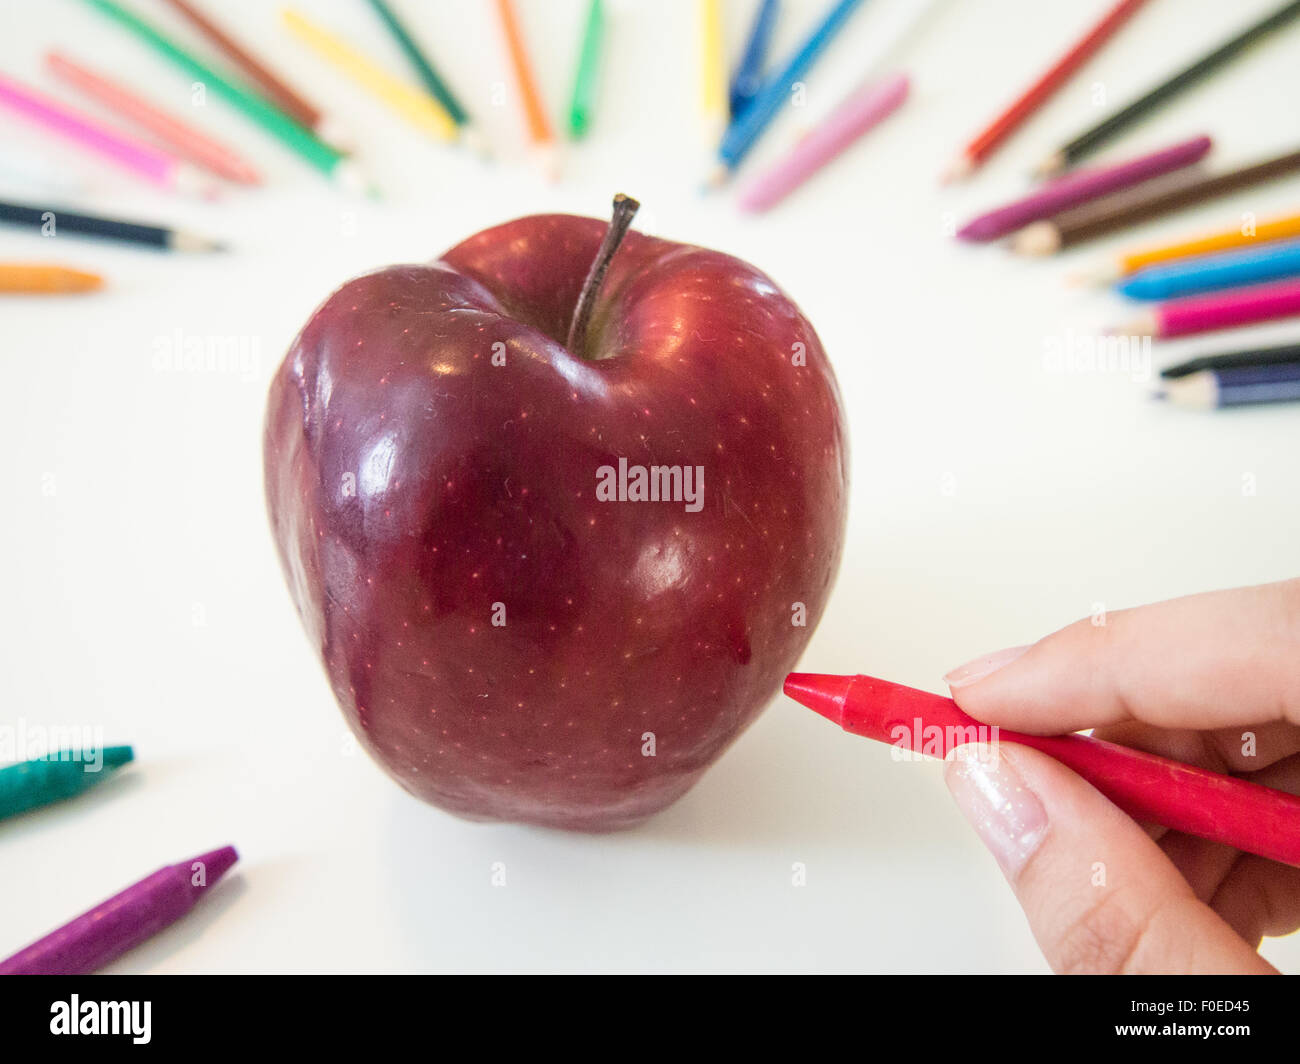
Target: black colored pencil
point(55, 221)
point(1259, 356)
point(1210, 389)
point(1090, 140)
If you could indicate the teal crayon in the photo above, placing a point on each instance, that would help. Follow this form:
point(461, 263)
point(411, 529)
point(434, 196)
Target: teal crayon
point(31, 784)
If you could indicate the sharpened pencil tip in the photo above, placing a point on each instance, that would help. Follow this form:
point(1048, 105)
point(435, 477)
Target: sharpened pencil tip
point(820, 692)
point(117, 756)
point(718, 177)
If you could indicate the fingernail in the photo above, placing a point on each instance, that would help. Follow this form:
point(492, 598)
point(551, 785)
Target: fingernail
point(1006, 814)
point(967, 674)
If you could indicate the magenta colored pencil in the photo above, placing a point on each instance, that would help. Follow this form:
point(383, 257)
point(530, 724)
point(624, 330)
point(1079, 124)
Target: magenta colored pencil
point(863, 109)
point(1223, 310)
point(141, 159)
point(1081, 187)
point(124, 921)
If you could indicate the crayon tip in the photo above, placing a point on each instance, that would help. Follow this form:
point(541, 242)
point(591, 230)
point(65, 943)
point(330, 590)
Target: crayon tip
point(820, 692)
point(216, 863)
point(117, 756)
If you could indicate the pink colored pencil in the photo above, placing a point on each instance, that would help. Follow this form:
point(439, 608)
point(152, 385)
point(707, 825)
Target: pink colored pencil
point(1081, 187)
point(186, 141)
point(141, 159)
point(862, 110)
point(1223, 310)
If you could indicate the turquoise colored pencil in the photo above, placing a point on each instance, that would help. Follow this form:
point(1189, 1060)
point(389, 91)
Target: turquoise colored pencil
point(584, 82)
point(1209, 273)
point(32, 784)
point(423, 67)
point(309, 147)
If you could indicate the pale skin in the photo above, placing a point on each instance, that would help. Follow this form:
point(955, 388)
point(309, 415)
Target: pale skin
point(1186, 679)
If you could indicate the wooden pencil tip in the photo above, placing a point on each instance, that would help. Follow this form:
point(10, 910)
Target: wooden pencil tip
point(1049, 167)
point(717, 178)
point(1040, 238)
point(957, 170)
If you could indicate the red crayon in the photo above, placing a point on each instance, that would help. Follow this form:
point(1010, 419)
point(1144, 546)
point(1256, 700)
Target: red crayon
point(1235, 812)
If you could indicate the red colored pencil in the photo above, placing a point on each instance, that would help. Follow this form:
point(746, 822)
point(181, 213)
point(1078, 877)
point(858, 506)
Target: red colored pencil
point(1151, 789)
point(1006, 123)
point(182, 138)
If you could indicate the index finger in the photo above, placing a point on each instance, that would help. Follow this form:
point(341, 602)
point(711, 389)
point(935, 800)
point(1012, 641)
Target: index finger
point(1221, 659)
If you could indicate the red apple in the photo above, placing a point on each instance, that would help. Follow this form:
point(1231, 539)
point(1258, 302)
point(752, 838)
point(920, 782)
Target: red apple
point(513, 628)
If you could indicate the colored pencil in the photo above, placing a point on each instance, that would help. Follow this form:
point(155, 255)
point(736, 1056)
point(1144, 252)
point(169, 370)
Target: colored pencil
point(1209, 273)
point(53, 223)
point(1242, 236)
point(427, 73)
point(714, 107)
point(273, 87)
point(143, 160)
point(862, 111)
point(1146, 203)
point(45, 780)
point(993, 135)
point(1076, 189)
point(1224, 310)
point(583, 99)
point(297, 138)
point(1244, 386)
point(1150, 789)
point(1258, 356)
point(124, 921)
point(35, 278)
point(415, 105)
point(747, 127)
point(539, 126)
point(747, 79)
point(1090, 140)
point(182, 138)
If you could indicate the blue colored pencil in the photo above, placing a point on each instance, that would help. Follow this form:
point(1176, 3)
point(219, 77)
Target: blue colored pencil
point(747, 127)
point(749, 73)
point(1208, 273)
point(1243, 386)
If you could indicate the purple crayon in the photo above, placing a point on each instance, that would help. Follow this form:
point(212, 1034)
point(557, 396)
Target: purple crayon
point(112, 927)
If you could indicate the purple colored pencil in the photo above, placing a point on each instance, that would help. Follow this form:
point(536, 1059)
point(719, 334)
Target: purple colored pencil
point(124, 921)
point(1081, 187)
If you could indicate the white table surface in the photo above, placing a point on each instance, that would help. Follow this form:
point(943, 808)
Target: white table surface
point(993, 500)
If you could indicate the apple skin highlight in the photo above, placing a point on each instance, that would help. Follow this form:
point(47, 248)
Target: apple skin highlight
point(506, 645)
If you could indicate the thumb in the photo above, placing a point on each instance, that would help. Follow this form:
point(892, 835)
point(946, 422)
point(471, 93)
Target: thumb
point(1100, 895)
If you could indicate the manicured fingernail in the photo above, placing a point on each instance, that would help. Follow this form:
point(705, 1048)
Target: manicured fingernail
point(967, 674)
point(1006, 814)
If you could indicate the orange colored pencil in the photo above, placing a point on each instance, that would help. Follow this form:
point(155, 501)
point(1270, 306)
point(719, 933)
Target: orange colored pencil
point(42, 278)
point(180, 137)
point(539, 126)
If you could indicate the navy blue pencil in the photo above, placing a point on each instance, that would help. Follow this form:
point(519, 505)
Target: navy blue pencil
point(748, 126)
point(1244, 386)
point(749, 73)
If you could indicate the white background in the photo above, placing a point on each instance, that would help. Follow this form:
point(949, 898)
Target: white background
point(143, 596)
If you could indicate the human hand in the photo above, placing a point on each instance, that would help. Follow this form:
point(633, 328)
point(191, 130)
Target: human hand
point(1211, 680)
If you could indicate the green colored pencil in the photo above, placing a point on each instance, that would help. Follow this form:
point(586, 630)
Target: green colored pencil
point(31, 784)
point(322, 156)
point(584, 83)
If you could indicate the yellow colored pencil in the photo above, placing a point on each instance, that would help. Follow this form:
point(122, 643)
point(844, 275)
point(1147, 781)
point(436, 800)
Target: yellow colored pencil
point(43, 278)
point(713, 70)
point(416, 106)
point(1243, 236)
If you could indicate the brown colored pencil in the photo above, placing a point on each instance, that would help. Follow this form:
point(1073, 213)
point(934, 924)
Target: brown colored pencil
point(287, 99)
point(1144, 203)
point(39, 277)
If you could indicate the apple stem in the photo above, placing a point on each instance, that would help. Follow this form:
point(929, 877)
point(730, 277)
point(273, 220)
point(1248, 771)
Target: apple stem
point(625, 207)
